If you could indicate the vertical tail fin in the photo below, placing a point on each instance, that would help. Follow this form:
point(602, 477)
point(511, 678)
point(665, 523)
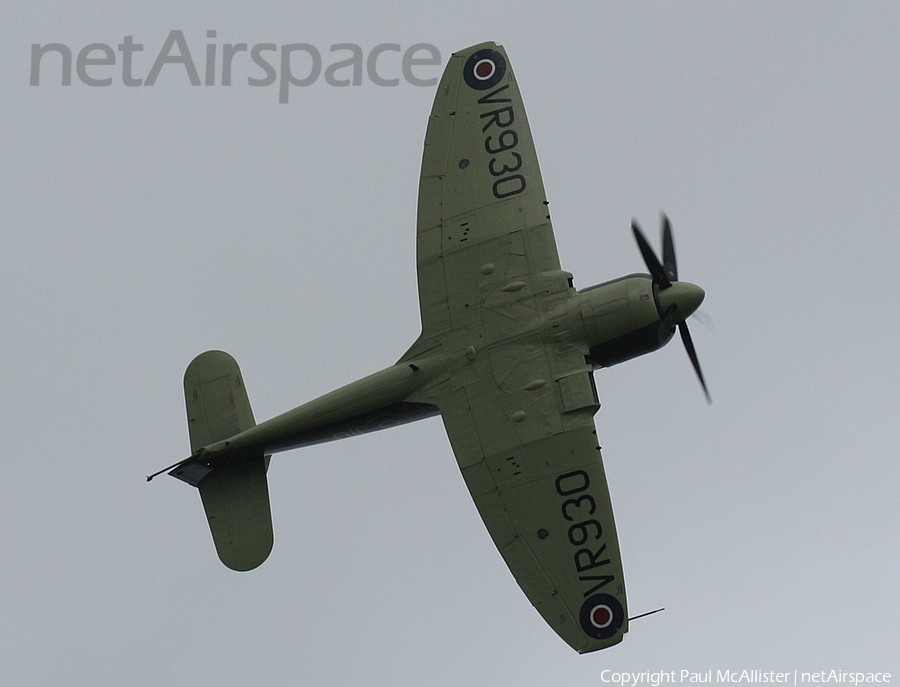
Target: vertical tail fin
point(235, 494)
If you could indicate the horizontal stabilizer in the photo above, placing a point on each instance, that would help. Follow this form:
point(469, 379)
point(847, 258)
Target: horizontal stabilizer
point(236, 500)
point(235, 494)
point(217, 403)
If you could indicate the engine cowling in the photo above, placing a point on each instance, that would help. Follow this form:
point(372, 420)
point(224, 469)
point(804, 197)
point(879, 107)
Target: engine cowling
point(623, 320)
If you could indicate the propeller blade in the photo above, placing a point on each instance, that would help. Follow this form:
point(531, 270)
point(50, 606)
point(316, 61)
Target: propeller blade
point(656, 270)
point(692, 354)
point(669, 264)
point(664, 275)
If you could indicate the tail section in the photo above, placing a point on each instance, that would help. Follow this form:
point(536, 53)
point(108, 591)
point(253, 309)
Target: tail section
point(235, 494)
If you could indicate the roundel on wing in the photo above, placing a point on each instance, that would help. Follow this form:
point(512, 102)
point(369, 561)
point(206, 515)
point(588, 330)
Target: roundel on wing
point(484, 69)
point(601, 616)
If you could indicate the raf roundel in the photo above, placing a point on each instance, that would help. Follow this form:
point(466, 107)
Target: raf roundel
point(601, 616)
point(484, 69)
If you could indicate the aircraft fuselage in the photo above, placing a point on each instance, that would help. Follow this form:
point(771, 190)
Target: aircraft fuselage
point(610, 322)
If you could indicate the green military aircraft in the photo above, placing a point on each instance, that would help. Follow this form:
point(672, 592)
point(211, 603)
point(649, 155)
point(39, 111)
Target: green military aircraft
point(506, 357)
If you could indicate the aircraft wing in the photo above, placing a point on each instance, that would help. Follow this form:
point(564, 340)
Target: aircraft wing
point(519, 399)
point(535, 473)
point(482, 213)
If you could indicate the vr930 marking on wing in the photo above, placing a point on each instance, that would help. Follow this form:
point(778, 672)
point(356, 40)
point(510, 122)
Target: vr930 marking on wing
point(508, 184)
point(580, 533)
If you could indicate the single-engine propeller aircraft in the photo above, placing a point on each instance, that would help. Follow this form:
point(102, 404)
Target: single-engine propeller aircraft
point(506, 357)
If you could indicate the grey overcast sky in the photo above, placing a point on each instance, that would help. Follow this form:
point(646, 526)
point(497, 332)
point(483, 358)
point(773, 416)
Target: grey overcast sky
point(142, 226)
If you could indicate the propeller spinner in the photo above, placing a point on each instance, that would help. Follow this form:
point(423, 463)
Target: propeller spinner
point(676, 300)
